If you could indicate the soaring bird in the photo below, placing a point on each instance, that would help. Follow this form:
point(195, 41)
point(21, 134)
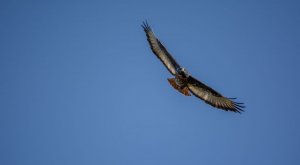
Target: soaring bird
point(185, 83)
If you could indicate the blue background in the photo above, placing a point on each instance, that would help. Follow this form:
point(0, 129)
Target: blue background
point(80, 85)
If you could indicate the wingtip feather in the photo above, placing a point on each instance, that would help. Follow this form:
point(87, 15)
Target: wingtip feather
point(146, 26)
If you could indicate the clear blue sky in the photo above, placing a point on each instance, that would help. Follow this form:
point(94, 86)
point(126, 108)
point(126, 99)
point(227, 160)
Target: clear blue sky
point(79, 84)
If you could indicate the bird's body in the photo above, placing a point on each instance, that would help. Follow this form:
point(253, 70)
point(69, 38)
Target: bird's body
point(185, 83)
point(180, 81)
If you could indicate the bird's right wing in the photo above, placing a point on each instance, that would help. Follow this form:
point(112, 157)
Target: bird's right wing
point(159, 50)
point(212, 97)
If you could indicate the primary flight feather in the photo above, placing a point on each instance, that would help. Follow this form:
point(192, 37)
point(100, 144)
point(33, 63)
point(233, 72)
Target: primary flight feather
point(185, 83)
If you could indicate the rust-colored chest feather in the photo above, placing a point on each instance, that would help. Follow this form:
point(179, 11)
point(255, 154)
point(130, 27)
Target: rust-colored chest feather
point(179, 83)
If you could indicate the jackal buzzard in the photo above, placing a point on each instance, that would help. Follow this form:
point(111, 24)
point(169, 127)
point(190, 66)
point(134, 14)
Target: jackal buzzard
point(185, 83)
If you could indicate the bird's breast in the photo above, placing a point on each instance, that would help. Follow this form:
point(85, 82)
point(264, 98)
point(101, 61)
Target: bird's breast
point(180, 81)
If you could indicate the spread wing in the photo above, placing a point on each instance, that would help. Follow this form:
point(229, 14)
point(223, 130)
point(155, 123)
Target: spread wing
point(212, 97)
point(159, 50)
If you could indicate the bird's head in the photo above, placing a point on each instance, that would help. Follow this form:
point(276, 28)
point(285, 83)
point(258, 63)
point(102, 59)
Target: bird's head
point(183, 72)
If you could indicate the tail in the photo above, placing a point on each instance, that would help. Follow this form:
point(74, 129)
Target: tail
point(184, 91)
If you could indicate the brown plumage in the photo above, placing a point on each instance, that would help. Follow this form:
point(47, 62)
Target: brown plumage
point(184, 90)
point(185, 83)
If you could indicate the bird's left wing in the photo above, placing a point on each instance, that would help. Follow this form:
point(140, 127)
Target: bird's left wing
point(159, 50)
point(212, 97)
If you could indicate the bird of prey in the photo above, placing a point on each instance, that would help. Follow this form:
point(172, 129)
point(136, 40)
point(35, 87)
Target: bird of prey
point(185, 83)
